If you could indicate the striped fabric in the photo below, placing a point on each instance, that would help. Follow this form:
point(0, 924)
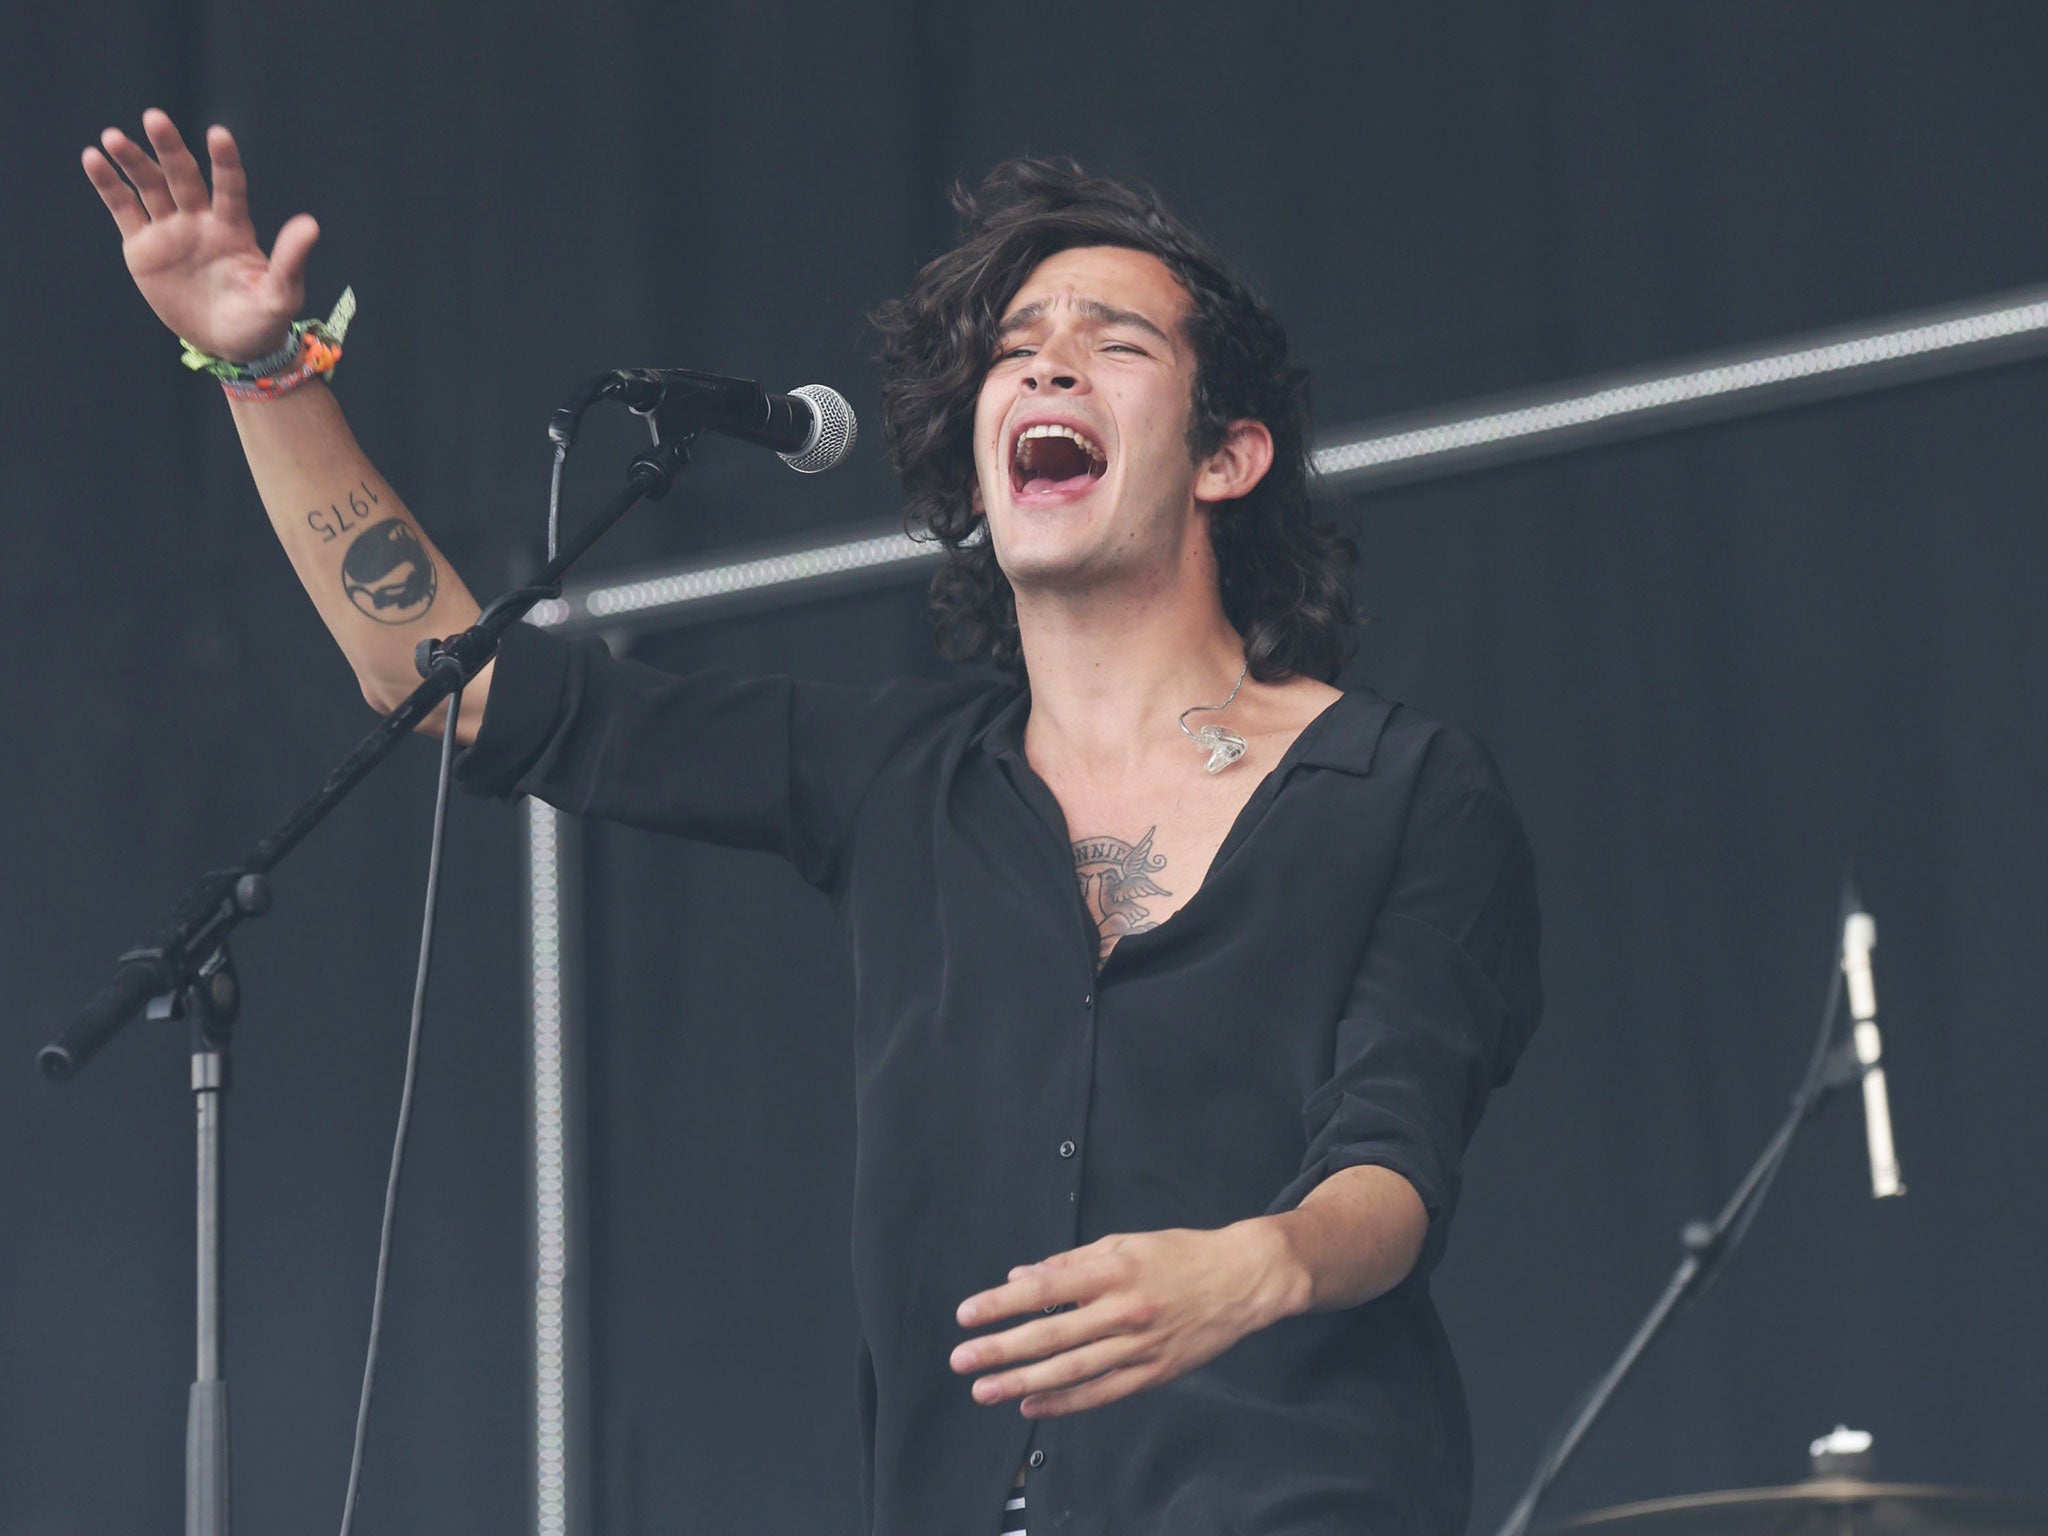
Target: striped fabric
point(1013, 1513)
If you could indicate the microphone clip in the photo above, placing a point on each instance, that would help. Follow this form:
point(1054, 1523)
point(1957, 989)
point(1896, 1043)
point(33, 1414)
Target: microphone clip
point(677, 402)
point(681, 403)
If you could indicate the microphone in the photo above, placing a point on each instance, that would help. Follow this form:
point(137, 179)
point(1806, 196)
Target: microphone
point(811, 428)
point(1859, 938)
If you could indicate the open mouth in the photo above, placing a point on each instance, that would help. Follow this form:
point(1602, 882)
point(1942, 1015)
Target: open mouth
point(1051, 458)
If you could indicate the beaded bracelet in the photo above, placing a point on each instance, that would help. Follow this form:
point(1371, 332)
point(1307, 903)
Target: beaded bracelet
point(310, 352)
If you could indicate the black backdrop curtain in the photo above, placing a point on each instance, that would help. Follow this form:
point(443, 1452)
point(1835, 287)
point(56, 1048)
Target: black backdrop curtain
point(1717, 667)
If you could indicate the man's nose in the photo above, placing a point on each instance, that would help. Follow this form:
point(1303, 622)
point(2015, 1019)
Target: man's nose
point(1053, 367)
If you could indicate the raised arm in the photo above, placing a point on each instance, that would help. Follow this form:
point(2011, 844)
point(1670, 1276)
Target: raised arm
point(377, 580)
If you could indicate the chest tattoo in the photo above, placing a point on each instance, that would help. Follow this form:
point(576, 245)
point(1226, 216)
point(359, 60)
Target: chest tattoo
point(1115, 878)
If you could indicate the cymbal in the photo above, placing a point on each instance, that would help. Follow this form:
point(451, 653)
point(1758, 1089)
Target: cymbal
point(1832, 1506)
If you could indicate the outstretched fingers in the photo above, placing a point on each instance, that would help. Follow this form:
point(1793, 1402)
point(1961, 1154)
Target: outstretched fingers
point(230, 182)
point(119, 197)
point(181, 171)
point(1072, 1368)
point(142, 173)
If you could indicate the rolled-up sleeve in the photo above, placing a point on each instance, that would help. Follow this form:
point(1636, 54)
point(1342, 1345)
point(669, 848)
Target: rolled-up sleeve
point(1446, 994)
point(767, 762)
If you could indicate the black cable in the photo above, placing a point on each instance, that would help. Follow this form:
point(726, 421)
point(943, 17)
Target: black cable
point(412, 1063)
point(1805, 1101)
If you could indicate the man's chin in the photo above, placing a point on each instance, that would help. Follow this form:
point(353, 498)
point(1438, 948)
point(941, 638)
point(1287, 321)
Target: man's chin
point(1059, 573)
point(1035, 548)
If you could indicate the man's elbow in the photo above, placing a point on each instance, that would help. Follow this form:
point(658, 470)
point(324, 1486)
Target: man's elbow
point(378, 695)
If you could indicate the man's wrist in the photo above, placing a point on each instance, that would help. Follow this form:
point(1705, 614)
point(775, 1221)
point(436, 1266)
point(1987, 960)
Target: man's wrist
point(1282, 1286)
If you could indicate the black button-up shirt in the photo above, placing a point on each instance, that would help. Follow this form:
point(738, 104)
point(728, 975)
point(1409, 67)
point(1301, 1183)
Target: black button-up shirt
point(1355, 973)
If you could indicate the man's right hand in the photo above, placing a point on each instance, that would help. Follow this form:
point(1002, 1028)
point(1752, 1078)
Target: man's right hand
point(193, 253)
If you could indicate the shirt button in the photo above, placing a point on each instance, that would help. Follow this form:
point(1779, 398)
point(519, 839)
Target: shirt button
point(1066, 1149)
point(1087, 999)
point(1036, 1458)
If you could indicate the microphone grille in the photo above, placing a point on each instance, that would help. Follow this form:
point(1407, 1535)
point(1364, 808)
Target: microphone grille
point(832, 438)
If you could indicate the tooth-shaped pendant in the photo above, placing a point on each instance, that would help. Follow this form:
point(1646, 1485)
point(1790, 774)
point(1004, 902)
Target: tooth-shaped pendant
point(1223, 746)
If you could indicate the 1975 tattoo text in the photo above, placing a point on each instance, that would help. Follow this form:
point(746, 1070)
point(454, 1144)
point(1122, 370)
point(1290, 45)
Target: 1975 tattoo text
point(336, 520)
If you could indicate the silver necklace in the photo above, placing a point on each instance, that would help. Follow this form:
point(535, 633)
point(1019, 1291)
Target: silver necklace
point(1224, 746)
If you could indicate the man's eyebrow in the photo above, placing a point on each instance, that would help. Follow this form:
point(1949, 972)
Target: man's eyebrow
point(1093, 309)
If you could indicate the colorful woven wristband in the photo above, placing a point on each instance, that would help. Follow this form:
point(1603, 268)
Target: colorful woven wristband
point(310, 352)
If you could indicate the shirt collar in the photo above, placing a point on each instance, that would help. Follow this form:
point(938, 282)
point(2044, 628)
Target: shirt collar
point(1003, 736)
point(1344, 736)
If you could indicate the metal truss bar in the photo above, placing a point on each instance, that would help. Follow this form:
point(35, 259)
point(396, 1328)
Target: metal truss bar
point(1796, 371)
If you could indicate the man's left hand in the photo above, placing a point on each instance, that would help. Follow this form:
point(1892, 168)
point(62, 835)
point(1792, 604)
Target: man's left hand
point(1133, 1311)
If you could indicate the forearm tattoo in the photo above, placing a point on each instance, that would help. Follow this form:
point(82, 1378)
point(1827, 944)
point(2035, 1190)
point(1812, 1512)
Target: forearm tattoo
point(1115, 876)
point(333, 521)
point(388, 574)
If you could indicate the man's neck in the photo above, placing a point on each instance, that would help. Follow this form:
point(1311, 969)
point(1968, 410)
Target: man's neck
point(1112, 671)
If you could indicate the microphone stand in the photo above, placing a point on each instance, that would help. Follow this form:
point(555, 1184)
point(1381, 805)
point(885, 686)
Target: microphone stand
point(185, 971)
point(1708, 1247)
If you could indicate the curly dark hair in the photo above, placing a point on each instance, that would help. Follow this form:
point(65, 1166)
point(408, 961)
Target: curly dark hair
point(1285, 577)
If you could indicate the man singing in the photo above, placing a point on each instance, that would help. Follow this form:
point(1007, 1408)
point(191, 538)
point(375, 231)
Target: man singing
point(1182, 976)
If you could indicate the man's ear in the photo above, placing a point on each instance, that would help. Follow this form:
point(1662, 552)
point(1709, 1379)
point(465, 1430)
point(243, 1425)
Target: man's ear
point(1238, 465)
